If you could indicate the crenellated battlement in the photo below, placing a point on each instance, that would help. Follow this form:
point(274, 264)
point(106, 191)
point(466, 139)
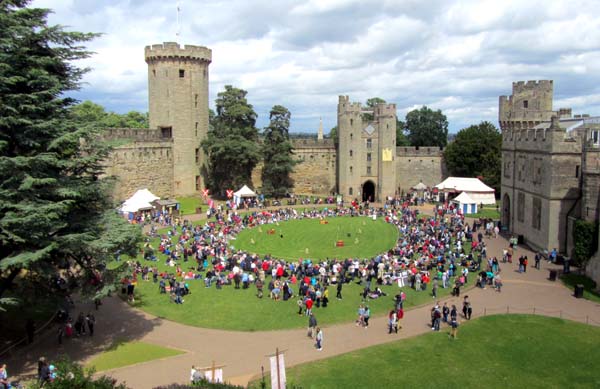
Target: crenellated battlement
point(532, 85)
point(134, 134)
point(311, 143)
point(419, 151)
point(172, 50)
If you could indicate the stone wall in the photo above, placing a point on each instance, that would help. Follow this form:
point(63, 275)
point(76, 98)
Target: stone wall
point(414, 165)
point(315, 172)
point(141, 165)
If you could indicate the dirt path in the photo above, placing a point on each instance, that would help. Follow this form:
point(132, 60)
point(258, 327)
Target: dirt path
point(244, 353)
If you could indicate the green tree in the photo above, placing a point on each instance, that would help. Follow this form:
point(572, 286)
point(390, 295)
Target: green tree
point(585, 242)
point(370, 104)
point(401, 137)
point(232, 143)
point(426, 127)
point(333, 134)
point(55, 211)
point(476, 151)
point(277, 154)
point(91, 114)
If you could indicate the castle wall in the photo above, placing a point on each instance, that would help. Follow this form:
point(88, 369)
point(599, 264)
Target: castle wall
point(139, 165)
point(414, 165)
point(315, 172)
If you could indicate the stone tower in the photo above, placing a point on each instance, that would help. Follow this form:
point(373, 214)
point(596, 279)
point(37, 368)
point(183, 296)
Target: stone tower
point(529, 105)
point(366, 151)
point(178, 106)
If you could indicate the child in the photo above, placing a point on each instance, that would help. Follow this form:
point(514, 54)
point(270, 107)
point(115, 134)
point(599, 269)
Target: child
point(319, 344)
point(454, 328)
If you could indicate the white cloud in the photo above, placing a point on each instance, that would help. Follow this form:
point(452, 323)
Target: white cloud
point(458, 56)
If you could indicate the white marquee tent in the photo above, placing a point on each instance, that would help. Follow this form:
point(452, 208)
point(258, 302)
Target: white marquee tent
point(465, 203)
point(141, 199)
point(477, 190)
point(420, 186)
point(244, 192)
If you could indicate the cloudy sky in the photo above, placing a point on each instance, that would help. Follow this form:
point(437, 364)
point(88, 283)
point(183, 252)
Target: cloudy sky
point(457, 56)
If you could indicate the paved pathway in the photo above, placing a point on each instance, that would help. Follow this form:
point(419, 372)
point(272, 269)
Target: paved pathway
point(244, 353)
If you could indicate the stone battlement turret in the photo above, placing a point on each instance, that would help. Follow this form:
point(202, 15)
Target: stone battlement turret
point(529, 105)
point(134, 134)
point(418, 151)
point(173, 50)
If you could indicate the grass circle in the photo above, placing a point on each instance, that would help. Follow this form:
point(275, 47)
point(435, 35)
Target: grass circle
point(362, 237)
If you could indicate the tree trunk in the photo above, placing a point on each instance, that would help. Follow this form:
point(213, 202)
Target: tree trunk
point(5, 283)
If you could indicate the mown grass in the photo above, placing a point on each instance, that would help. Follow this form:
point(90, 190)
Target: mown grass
point(128, 353)
point(500, 351)
point(188, 205)
point(590, 289)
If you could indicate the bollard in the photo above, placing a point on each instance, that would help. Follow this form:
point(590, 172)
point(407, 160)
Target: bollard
point(534, 310)
point(484, 311)
point(507, 309)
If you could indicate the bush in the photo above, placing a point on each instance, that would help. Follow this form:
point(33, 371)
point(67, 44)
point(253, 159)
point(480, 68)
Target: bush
point(202, 384)
point(585, 239)
point(71, 375)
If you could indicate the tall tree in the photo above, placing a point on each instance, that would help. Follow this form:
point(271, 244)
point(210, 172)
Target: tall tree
point(232, 142)
point(426, 127)
point(401, 137)
point(333, 134)
point(55, 211)
point(476, 151)
point(277, 154)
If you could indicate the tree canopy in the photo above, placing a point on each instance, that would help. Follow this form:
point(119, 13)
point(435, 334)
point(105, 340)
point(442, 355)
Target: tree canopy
point(476, 151)
point(277, 154)
point(426, 127)
point(55, 209)
point(232, 142)
point(92, 114)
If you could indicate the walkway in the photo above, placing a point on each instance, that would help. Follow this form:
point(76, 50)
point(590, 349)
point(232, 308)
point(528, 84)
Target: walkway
point(244, 353)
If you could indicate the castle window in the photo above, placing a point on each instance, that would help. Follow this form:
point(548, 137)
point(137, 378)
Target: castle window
point(196, 101)
point(536, 213)
point(577, 171)
point(166, 73)
point(368, 170)
point(521, 207)
point(166, 132)
point(351, 136)
point(595, 137)
point(351, 153)
point(350, 191)
point(368, 157)
point(181, 73)
point(525, 104)
point(198, 183)
point(154, 72)
point(197, 156)
point(350, 169)
point(351, 122)
point(369, 143)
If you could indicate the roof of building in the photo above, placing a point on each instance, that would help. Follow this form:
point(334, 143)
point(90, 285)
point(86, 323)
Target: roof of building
point(464, 184)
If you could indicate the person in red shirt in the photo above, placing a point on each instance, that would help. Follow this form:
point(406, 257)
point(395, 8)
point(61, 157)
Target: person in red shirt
point(309, 304)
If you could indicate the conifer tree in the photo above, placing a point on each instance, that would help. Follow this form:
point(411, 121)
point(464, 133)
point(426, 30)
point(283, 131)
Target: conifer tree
point(55, 211)
point(277, 154)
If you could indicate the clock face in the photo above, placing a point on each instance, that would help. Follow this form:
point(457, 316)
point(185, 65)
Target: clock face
point(370, 130)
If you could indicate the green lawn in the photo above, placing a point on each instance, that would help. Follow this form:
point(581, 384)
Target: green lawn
point(241, 310)
point(307, 238)
point(188, 205)
point(500, 351)
point(590, 289)
point(487, 212)
point(129, 353)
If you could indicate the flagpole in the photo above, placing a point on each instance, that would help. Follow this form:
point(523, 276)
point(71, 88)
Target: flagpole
point(178, 26)
point(278, 373)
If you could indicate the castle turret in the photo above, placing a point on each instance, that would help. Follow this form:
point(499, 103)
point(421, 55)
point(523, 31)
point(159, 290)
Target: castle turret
point(529, 105)
point(178, 107)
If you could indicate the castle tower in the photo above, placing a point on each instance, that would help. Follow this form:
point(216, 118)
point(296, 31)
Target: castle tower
point(529, 105)
point(178, 106)
point(366, 150)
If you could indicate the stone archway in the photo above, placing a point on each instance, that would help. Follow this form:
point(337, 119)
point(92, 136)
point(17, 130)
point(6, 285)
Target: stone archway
point(368, 191)
point(506, 212)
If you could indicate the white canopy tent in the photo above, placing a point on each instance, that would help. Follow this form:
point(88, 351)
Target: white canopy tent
point(477, 190)
point(465, 203)
point(420, 186)
point(244, 192)
point(141, 199)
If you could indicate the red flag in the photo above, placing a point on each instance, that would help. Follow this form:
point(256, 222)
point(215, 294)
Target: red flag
point(229, 193)
point(205, 193)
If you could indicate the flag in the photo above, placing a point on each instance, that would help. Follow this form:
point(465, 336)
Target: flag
point(281, 372)
point(217, 378)
point(229, 193)
point(211, 203)
point(205, 193)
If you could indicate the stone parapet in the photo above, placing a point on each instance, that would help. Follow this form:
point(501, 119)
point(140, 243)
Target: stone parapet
point(168, 50)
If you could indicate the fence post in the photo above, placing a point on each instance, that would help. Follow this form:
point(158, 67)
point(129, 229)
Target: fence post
point(507, 309)
point(534, 310)
point(484, 311)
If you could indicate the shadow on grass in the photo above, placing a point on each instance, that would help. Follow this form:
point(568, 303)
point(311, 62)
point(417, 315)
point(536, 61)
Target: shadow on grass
point(115, 324)
point(590, 289)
